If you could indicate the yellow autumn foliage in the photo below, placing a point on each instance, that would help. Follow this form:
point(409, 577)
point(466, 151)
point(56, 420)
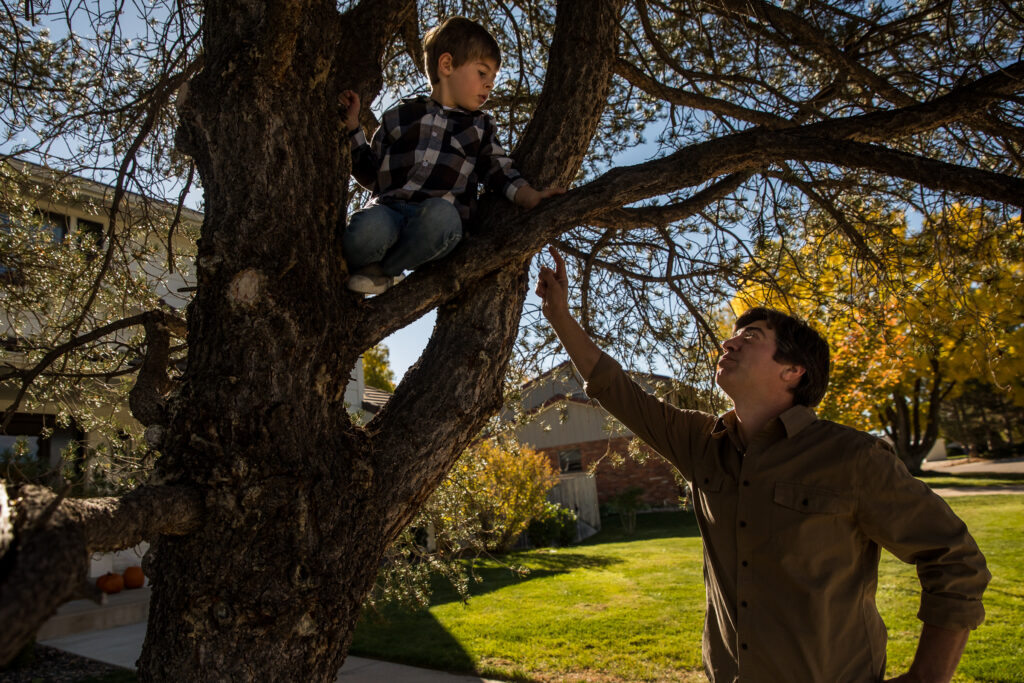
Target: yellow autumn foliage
point(951, 311)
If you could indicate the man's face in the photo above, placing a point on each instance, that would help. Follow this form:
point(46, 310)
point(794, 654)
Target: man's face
point(747, 366)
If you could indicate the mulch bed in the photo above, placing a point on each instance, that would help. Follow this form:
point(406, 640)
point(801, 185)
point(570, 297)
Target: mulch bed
point(47, 664)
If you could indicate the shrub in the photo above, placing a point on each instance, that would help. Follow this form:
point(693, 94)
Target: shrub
point(625, 504)
point(488, 499)
point(555, 525)
point(504, 485)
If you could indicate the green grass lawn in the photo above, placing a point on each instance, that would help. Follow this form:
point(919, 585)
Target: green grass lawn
point(941, 480)
point(623, 608)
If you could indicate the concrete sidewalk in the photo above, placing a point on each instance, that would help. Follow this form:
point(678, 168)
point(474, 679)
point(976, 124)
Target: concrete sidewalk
point(966, 467)
point(122, 645)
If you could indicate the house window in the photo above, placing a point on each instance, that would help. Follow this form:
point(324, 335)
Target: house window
point(57, 224)
point(31, 449)
point(570, 461)
point(89, 233)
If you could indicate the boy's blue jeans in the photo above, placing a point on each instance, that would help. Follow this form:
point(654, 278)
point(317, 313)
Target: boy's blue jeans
point(401, 235)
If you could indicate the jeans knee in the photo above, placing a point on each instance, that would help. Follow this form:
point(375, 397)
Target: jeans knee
point(441, 216)
point(368, 236)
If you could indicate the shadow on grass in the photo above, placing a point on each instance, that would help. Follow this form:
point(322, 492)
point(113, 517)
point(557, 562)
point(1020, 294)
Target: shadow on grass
point(415, 637)
point(410, 637)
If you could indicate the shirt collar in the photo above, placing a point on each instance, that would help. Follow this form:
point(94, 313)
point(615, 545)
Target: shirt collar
point(433, 106)
point(794, 420)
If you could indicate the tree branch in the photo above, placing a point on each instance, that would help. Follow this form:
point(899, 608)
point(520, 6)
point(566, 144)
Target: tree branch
point(47, 561)
point(654, 216)
point(29, 376)
point(841, 142)
point(685, 98)
point(146, 398)
point(797, 30)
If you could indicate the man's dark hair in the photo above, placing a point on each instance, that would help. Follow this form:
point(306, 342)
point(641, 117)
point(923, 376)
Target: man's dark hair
point(797, 343)
point(463, 39)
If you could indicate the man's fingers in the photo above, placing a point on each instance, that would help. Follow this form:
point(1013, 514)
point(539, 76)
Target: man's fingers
point(559, 273)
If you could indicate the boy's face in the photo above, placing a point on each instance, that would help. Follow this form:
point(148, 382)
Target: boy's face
point(468, 85)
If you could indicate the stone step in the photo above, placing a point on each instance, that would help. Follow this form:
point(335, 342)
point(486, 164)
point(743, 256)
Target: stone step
point(79, 616)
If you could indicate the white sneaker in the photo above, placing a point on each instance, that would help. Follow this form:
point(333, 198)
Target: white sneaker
point(372, 284)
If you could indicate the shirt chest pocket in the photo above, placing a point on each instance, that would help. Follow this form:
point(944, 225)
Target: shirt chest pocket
point(807, 515)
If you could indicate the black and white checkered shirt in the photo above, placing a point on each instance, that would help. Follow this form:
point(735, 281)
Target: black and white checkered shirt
point(424, 150)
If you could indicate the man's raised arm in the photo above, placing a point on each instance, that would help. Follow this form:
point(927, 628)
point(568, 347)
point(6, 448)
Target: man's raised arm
point(553, 289)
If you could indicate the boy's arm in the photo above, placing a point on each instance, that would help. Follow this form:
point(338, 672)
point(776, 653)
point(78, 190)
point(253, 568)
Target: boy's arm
point(364, 161)
point(502, 175)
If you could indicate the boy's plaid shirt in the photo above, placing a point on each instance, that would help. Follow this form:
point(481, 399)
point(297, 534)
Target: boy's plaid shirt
point(424, 150)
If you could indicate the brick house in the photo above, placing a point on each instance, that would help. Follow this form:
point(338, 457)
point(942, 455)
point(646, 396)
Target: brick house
point(557, 418)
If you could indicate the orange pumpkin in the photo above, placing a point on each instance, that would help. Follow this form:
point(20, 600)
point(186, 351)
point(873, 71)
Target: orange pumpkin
point(133, 577)
point(110, 583)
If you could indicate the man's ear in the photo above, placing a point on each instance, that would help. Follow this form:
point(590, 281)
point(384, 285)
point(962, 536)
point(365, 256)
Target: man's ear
point(791, 374)
point(445, 64)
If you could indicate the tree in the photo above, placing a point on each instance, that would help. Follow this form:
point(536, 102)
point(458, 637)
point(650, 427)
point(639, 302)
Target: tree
point(904, 346)
point(377, 368)
point(269, 510)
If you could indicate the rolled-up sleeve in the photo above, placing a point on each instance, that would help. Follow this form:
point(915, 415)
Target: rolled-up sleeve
point(903, 515)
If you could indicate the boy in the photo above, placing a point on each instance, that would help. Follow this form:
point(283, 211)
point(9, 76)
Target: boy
point(426, 159)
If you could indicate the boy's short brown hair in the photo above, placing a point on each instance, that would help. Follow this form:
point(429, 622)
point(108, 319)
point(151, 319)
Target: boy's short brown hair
point(463, 39)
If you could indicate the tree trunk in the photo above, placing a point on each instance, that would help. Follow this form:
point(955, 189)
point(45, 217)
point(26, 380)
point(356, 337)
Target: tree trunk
point(300, 504)
point(269, 586)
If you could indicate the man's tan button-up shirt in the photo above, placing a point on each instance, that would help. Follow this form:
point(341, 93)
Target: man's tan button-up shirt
point(792, 523)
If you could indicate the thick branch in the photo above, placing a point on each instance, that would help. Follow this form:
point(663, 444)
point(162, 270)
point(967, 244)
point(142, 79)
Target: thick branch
point(375, 22)
point(48, 561)
point(151, 386)
point(653, 216)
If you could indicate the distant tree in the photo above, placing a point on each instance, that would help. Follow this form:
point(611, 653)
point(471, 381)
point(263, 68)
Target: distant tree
point(377, 370)
point(269, 511)
point(906, 343)
point(987, 416)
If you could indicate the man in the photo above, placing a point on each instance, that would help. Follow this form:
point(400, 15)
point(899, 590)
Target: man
point(792, 511)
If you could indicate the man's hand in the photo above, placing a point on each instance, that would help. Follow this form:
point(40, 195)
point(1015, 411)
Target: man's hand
point(553, 289)
point(938, 653)
point(349, 101)
point(527, 197)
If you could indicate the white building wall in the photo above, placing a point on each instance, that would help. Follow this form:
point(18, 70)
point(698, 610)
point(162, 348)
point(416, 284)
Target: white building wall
point(566, 423)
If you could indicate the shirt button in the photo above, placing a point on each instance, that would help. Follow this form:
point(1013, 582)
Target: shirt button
point(425, 163)
point(742, 524)
point(746, 483)
point(743, 645)
point(743, 604)
point(745, 563)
